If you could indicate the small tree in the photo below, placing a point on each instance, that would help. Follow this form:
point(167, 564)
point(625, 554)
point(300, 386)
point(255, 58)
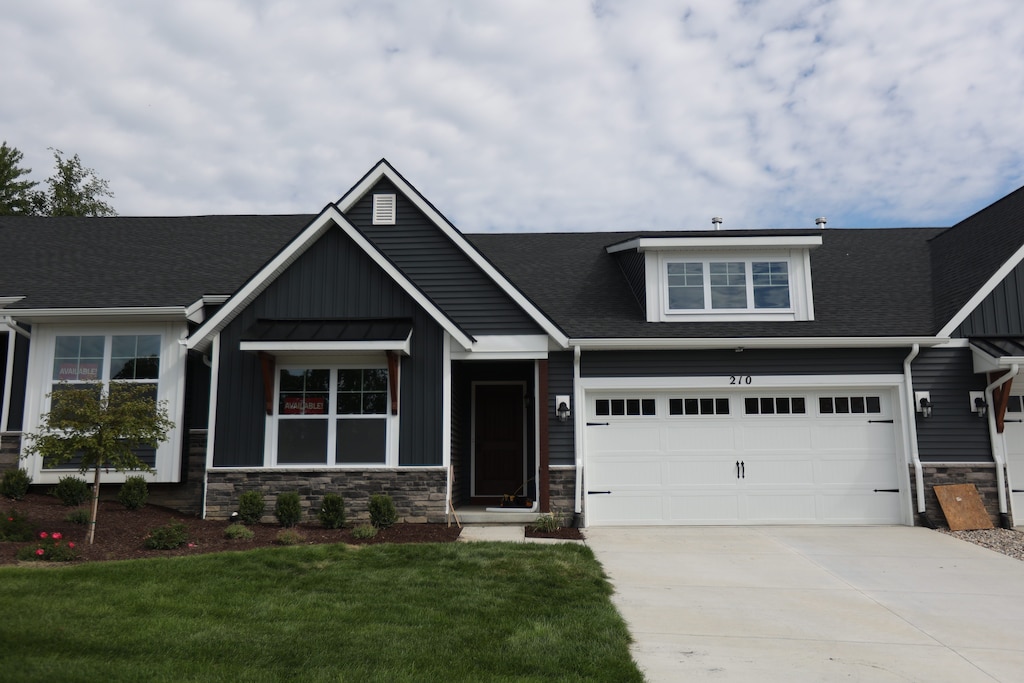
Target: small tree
point(103, 427)
point(18, 197)
point(74, 190)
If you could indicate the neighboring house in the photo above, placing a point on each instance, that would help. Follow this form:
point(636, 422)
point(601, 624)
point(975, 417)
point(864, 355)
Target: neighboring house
point(696, 377)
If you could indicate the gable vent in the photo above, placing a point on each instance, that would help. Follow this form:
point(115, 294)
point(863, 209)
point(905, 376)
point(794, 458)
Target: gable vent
point(383, 209)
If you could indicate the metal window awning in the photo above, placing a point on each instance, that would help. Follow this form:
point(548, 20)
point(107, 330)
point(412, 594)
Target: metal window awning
point(287, 337)
point(996, 353)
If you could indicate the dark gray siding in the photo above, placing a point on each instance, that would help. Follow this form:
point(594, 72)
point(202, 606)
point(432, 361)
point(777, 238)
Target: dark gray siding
point(953, 433)
point(633, 267)
point(19, 378)
point(713, 362)
point(333, 279)
point(1001, 313)
point(197, 392)
point(561, 435)
point(440, 268)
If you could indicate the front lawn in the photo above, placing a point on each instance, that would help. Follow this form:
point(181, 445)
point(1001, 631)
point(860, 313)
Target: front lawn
point(423, 612)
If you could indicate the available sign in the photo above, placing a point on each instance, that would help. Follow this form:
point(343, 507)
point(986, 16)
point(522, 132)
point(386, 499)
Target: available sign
point(304, 405)
point(78, 372)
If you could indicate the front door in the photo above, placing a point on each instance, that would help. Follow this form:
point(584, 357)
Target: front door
point(499, 439)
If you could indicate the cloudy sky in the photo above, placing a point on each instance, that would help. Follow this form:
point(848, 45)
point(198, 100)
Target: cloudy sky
point(530, 114)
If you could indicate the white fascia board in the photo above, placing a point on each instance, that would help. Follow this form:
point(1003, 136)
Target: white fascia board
point(726, 382)
point(317, 347)
point(383, 169)
point(331, 216)
point(980, 295)
point(196, 310)
point(126, 314)
point(642, 244)
point(610, 344)
point(8, 300)
point(983, 362)
point(536, 343)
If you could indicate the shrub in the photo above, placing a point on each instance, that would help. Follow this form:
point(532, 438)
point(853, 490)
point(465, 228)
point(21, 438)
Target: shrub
point(72, 491)
point(289, 537)
point(364, 531)
point(49, 548)
point(288, 509)
point(332, 511)
point(547, 523)
point(14, 484)
point(382, 511)
point(239, 531)
point(79, 516)
point(167, 537)
point(134, 493)
point(15, 527)
point(251, 507)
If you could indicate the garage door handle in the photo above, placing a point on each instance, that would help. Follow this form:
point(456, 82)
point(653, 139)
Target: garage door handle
point(597, 424)
point(741, 470)
point(887, 490)
point(594, 493)
point(885, 421)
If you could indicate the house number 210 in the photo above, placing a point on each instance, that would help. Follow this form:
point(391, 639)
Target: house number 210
point(740, 379)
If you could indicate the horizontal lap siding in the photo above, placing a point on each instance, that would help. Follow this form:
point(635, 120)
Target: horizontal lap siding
point(333, 279)
point(723, 362)
point(439, 268)
point(1001, 313)
point(953, 433)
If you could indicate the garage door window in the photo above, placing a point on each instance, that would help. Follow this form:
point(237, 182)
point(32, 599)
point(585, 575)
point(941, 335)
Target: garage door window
point(626, 407)
point(698, 406)
point(774, 405)
point(850, 405)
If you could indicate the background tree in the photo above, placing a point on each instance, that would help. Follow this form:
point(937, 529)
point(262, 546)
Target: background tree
point(74, 190)
point(103, 427)
point(18, 197)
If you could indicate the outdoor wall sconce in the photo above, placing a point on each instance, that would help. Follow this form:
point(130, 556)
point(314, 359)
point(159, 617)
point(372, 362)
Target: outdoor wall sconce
point(562, 408)
point(978, 404)
point(923, 403)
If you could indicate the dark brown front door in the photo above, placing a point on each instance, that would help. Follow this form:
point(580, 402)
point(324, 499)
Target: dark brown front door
point(498, 439)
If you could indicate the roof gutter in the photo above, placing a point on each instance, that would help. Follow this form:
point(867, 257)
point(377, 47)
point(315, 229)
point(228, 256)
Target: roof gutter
point(615, 343)
point(85, 314)
point(997, 443)
point(915, 454)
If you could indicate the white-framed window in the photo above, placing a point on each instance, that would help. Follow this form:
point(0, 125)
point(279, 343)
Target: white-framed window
point(331, 415)
point(631, 407)
point(714, 285)
point(728, 285)
point(81, 354)
point(702, 405)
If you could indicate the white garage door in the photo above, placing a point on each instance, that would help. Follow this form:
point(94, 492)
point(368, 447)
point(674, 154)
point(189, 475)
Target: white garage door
point(1013, 431)
point(792, 457)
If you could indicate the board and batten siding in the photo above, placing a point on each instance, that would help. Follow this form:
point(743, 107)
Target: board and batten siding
point(439, 268)
point(632, 264)
point(953, 433)
point(19, 378)
point(1001, 313)
point(561, 435)
point(334, 278)
point(726, 362)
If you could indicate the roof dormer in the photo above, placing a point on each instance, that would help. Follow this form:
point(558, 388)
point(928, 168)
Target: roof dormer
point(707, 278)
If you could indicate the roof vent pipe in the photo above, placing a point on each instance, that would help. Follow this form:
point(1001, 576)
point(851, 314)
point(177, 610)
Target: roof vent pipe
point(820, 222)
point(717, 222)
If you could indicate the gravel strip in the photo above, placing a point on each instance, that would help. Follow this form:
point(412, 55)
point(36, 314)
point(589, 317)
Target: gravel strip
point(1006, 541)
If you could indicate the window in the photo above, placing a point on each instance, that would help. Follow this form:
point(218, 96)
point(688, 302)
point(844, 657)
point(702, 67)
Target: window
point(849, 405)
point(775, 405)
point(331, 416)
point(713, 285)
point(625, 406)
point(698, 406)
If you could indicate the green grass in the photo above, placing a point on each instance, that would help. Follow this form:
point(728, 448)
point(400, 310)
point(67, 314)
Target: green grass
point(434, 612)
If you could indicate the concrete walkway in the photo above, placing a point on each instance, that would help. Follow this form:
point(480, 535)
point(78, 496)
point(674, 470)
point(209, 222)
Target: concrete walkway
point(511, 533)
point(815, 604)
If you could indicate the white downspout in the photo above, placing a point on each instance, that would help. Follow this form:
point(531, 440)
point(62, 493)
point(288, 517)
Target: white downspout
point(915, 454)
point(578, 424)
point(5, 409)
point(997, 446)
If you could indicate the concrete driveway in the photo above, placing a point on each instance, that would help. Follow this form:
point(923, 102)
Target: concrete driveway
point(815, 604)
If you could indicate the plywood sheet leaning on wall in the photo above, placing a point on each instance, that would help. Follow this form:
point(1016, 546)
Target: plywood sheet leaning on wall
point(962, 507)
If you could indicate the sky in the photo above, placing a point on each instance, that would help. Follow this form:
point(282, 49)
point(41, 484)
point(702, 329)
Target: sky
point(530, 115)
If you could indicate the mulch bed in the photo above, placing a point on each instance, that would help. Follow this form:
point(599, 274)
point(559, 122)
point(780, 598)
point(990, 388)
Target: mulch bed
point(120, 533)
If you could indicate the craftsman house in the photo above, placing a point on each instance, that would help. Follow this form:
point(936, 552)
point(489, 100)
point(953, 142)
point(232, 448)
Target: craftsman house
point(810, 376)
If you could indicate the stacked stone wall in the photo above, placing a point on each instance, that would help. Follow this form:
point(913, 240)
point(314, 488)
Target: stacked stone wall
point(418, 493)
point(10, 445)
point(563, 492)
point(982, 475)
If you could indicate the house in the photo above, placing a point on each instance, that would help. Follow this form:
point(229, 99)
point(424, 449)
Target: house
point(809, 376)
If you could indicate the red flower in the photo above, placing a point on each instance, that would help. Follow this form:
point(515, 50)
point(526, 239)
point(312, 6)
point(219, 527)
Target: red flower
point(56, 535)
point(39, 551)
point(42, 534)
point(71, 544)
